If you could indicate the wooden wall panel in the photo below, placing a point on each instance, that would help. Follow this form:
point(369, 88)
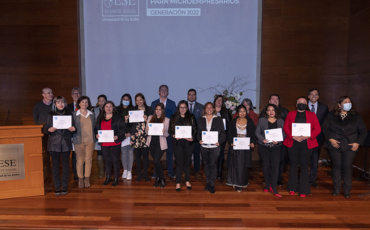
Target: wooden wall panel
point(38, 48)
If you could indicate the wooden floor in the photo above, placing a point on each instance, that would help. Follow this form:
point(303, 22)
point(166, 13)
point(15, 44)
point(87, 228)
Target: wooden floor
point(138, 205)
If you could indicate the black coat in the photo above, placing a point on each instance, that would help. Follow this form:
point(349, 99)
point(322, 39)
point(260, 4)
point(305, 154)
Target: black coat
point(217, 125)
point(61, 139)
point(118, 126)
point(225, 115)
point(350, 130)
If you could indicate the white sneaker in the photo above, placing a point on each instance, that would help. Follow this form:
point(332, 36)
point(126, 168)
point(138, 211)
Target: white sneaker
point(129, 175)
point(124, 175)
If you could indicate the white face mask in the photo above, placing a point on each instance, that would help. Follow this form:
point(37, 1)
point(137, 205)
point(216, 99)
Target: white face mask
point(347, 106)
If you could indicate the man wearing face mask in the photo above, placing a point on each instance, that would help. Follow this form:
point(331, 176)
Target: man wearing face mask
point(321, 111)
point(344, 132)
point(300, 147)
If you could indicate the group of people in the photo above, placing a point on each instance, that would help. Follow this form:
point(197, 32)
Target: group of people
point(342, 130)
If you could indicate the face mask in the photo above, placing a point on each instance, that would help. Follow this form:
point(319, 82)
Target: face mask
point(301, 106)
point(347, 106)
point(125, 103)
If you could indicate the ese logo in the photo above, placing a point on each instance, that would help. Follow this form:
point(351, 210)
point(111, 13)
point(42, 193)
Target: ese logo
point(120, 8)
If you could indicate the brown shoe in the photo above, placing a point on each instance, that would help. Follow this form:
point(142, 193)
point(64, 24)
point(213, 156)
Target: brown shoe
point(198, 176)
point(87, 182)
point(80, 182)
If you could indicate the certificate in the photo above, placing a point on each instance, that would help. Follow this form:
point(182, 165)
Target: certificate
point(301, 129)
point(274, 135)
point(210, 137)
point(136, 116)
point(242, 143)
point(224, 120)
point(62, 122)
point(183, 132)
point(155, 129)
point(106, 136)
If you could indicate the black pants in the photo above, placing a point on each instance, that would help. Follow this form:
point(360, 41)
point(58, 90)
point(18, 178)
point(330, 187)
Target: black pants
point(314, 164)
point(210, 158)
point(281, 163)
point(142, 152)
point(342, 168)
point(55, 157)
point(74, 161)
point(270, 164)
point(111, 155)
point(299, 154)
point(221, 159)
point(155, 150)
point(183, 150)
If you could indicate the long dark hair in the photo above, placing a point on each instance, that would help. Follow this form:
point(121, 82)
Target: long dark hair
point(142, 96)
point(126, 95)
point(81, 99)
point(102, 113)
point(154, 118)
point(101, 95)
point(337, 109)
point(277, 111)
point(177, 114)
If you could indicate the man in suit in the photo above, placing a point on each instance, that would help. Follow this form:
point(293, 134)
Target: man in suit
point(321, 111)
point(75, 94)
point(170, 109)
point(196, 109)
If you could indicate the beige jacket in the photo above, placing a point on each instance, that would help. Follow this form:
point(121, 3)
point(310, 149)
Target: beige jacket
point(162, 139)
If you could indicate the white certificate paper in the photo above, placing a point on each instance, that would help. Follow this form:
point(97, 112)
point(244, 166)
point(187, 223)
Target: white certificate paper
point(155, 129)
point(62, 122)
point(136, 116)
point(106, 136)
point(210, 137)
point(242, 143)
point(183, 132)
point(224, 120)
point(301, 129)
point(274, 135)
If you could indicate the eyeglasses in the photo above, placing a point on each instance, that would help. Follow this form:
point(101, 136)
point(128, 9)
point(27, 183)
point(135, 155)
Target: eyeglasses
point(183, 107)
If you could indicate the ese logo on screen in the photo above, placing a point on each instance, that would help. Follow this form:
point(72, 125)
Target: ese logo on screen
point(120, 8)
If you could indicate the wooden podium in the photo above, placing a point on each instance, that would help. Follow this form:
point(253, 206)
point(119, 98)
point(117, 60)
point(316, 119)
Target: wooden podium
point(33, 182)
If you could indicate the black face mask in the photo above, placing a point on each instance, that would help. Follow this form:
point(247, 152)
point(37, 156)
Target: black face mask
point(301, 106)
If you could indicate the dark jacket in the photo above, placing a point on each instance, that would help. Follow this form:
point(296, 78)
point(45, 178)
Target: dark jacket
point(217, 125)
point(61, 139)
point(174, 123)
point(251, 131)
point(118, 126)
point(262, 125)
point(350, 130)
point(124, 112)
point(225, 115)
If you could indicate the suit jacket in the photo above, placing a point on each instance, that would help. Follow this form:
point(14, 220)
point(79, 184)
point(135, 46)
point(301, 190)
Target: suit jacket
point(162, 139)
point(71, 107)
point(321, 113)
point(217, 125)
point(170, 107)
point(315, 129)
point(197, 110)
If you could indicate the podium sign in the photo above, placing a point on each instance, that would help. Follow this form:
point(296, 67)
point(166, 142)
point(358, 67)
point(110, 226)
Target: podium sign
point(12, 162)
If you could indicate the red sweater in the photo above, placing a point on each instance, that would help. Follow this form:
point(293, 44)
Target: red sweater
point(107, 125)
point(315, 129)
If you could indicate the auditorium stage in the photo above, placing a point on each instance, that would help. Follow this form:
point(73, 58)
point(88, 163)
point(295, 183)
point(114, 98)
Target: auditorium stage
point(138, 205)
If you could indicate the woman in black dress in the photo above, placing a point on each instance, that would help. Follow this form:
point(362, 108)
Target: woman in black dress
point(240, 160)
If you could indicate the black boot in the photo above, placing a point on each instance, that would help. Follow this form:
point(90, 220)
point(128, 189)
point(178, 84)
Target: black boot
point(157, 182)
point(107, 180)
point(115, 182)
point(163, 182)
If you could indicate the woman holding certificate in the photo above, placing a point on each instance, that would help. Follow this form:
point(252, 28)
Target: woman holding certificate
point(84, 140)
point(127, 152)
point(110, 132)
point(97, 110)
point(139, 136)
point(211, 135)
point(183, 129)
point(301, 128)
point(344, 132)
point(241, 137)
point(221, 111)
point(60, 126)
point(157, 129)
point(269, 133)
